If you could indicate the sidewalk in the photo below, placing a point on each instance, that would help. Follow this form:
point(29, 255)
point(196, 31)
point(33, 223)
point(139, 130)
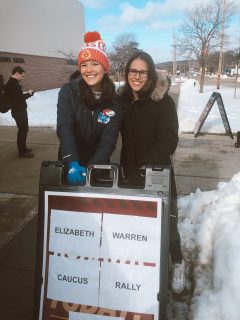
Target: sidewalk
point(20, 177)
point(19, 180)
point(204, 161)
point(199, 162)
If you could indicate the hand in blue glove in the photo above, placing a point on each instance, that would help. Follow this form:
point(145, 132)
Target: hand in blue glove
point(76, 173)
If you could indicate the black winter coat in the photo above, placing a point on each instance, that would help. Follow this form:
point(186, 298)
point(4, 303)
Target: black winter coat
point(84, 134)
point(14, 92)
point(149, 131)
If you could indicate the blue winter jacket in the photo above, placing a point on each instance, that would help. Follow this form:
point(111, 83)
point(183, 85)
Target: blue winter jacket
point(86, 135)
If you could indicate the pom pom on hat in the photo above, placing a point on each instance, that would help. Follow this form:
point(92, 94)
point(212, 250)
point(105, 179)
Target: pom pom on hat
point(94, 48)
point(91, 36)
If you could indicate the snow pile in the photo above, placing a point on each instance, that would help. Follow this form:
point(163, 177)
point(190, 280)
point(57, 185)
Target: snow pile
point(209, 225)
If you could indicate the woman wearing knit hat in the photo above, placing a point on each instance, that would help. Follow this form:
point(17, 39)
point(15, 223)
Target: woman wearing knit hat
point(150, 137)
point(88, 119)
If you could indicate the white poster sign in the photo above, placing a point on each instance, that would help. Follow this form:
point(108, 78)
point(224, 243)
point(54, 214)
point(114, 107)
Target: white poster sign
point(73, 280)
point(130, 238)
point(75, 233)
point(85, 316)
point(129, 288)
point(90, 256)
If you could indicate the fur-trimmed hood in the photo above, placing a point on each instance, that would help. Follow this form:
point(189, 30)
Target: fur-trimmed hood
point(162, 85)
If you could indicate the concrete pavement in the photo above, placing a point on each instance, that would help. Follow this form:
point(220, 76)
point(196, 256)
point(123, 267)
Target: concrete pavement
point(19, 180)
point(199, 162)
point(205, 161)
point(20, 175)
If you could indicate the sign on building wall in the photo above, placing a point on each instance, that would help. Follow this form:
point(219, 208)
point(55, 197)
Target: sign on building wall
point(215, 96)
point(6, 59)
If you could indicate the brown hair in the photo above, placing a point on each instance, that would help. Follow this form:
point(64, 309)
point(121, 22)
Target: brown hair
point(107, 89)
point(144, 93)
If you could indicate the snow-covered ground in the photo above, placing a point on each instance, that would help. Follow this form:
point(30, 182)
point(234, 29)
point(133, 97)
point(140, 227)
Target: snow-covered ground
point(209, 222)
point(42, 109)
point(191, 104)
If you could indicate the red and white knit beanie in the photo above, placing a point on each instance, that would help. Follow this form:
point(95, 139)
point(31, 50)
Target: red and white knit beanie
point(94, 48)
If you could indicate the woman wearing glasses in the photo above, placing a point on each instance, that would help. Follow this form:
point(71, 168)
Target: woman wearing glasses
point(150, 137)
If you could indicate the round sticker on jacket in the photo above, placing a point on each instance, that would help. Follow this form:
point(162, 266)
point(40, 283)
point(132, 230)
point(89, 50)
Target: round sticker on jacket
point(108, 112)
point(105, 115)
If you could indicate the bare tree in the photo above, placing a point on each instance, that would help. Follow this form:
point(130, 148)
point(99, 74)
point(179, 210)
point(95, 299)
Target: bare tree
point(70, 55)
point(220, 61)
point(124, 46)
point(200, 34)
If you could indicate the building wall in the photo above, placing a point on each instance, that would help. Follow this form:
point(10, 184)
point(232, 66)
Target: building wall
point(41, 27)
point(42, 73)
point(33, 32)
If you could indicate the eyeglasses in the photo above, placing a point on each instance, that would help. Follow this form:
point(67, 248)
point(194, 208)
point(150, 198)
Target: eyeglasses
point(134, 72)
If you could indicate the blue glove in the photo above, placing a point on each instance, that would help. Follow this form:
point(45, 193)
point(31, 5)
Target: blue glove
point(76, 173)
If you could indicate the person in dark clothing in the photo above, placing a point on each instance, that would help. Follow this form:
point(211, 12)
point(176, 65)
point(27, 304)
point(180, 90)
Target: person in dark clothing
point(1, 82)
point(19, 109)
point(149, 137)
point(88, 119)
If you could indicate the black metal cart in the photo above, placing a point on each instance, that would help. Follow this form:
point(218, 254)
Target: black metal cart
point(102, 250)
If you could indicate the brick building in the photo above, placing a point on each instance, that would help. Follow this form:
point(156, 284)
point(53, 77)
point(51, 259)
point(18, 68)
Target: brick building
point(33, 32)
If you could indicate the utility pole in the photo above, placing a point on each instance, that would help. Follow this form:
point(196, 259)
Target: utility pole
point(236, 75)
point(174, 57)
point(235, 82)
point(220, 62)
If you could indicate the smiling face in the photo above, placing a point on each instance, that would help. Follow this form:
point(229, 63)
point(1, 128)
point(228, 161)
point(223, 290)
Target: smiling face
point(92, 73)
point(137, 76)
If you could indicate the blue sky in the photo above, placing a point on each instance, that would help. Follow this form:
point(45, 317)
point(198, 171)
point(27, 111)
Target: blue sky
point(153, 22)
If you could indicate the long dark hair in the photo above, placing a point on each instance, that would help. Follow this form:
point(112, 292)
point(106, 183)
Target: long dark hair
point(88, 97)
point(146, 91)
